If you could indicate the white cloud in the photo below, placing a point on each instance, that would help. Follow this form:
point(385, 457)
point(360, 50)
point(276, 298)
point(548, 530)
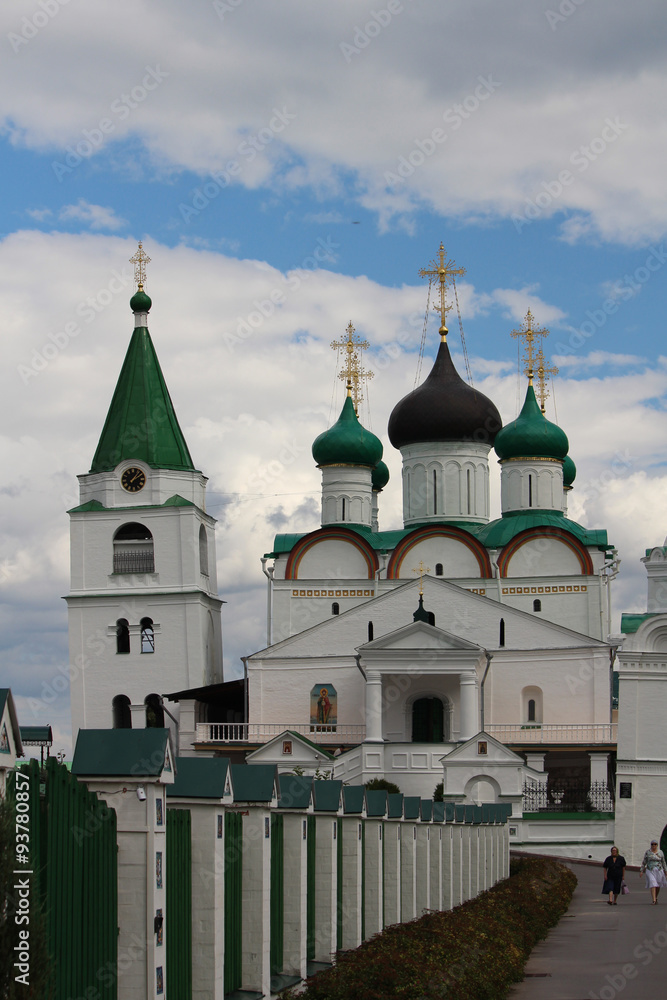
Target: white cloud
point(96, 216)
point(597, 359)
point(198, 91)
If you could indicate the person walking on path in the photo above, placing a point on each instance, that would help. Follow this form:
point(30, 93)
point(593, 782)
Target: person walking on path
point(614, 873)
point(655, 866)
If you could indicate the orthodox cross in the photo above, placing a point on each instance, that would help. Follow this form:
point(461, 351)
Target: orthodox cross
point(442, 270)
point(421, 569)
point(353, 374)
point(530, 334)
point(542, 373)
point(140, 260)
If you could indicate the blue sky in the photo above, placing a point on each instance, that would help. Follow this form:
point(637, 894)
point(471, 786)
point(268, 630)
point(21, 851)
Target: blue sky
point(324, 151)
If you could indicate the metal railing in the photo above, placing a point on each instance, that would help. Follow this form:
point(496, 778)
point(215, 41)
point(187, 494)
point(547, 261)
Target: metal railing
point(137, 561)
point(535, 732)
point(262, 732)
point(567, 795)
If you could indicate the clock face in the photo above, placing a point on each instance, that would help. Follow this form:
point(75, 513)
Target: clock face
point(133, 480)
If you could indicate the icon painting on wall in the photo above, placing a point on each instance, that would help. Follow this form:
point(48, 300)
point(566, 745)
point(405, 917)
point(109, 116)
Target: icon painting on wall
point(323, 707)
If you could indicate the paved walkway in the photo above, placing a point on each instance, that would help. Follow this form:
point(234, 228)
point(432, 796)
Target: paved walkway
point(599, 952)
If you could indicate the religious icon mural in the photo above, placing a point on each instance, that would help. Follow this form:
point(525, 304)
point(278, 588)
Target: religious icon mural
point(323, 706)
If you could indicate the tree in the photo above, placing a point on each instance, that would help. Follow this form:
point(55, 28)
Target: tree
point(382, 785)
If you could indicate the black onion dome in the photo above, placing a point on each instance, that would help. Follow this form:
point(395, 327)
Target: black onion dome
point(444, 408)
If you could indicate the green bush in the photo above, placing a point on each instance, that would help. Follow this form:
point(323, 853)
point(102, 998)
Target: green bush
point(474, 952)
point(382, 785)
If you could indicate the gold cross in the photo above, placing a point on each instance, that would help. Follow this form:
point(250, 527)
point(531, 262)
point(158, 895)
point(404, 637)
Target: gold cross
point(443, 270)
point(529, 333)
point(140, 260)
point(353, 374)
point(421, 569)
point(542, 373)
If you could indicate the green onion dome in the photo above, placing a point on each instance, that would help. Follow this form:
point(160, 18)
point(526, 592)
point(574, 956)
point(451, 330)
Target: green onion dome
point(140, 302)
point(569, 471)
point(380, 476)
point(347, 442)
point(531, 435)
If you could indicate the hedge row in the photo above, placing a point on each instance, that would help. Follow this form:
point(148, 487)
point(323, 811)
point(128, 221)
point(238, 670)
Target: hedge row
point(474, 952)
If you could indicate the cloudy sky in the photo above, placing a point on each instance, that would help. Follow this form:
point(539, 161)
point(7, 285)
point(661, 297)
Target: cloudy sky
point(290, 167)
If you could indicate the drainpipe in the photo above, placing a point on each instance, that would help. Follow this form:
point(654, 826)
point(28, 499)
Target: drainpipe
point(268, 573)
point(494, 563)
point(489, 657)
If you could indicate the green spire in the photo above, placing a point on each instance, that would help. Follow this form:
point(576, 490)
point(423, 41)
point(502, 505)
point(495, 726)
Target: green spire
point(531, 435)
point(141, 422)
point(347, 442)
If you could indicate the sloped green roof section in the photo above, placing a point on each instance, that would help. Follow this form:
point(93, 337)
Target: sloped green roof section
point(631, 623)
point(426, 810)
point(438, 812)
point(353, 798)
point(141, 422)
point(35, 734)
point(175, 501)
point(304, 739)
point(395, 805)
point(411, 806)
point(498, 533)
point(326, 795)
point(450, 812)
point(294, 791)
point(137, 753)
point(376, 802)
point(199, 778)
point(253, 782)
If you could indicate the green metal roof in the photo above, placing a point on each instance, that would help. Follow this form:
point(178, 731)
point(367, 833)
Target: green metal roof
point(630, 623)
point(326, 795)
point(460, 812)
point(294, 791)
point(199, 778)
point(253, 782)
point(411, 806)
point(395, 805)
point(438, 812)
point(450, 812)
point(353, 798)
point(141, 423)
point(494, 535)
point(376, 802)
point(304, 739)
point(136, 753)
point(426, 810)
point(92, 505)
point(35, 734)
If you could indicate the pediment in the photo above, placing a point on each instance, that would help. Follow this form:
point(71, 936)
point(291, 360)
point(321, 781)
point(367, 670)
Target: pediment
point(496, 753)
point(419, 635)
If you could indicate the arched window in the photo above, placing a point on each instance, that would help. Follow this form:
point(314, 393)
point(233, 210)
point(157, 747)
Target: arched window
point(122, 636)
point(122, 716)
point(343, 509)
point(430, 721)
point(531, 710)
point(133, 549)
point(537, 605)
point(335, 608)
point(531, 706)
point(370, 631)
point(530, 490)
point(501, 637)
point(154, 712)
point(147, 636)
point(203, 551)
point(438, 569)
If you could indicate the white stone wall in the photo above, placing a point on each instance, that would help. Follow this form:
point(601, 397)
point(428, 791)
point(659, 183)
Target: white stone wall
point(346, 495)
point(531, 485)
point(445, 480)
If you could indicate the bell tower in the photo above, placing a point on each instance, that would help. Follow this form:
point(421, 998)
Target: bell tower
point(143, 606)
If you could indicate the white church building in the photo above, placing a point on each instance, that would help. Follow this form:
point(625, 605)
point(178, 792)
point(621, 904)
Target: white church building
point(460, 648)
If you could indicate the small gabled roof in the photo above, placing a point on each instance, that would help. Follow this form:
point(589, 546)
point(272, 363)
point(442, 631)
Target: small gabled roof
point(7, 700)
point(295, 791)
point(353, 798)
point(376, 802)
point(135, 753)
point(326, 795)
point(411, 806)
point(395, 805)
point(199, 778)
point(417, 633)
point(253, 782)
point(501, 753)
point(36, 735)
point(320, 751)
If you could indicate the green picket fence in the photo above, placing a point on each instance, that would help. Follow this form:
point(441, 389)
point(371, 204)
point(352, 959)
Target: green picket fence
point(179, 904)
point(74, 857)
point(233, 901)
